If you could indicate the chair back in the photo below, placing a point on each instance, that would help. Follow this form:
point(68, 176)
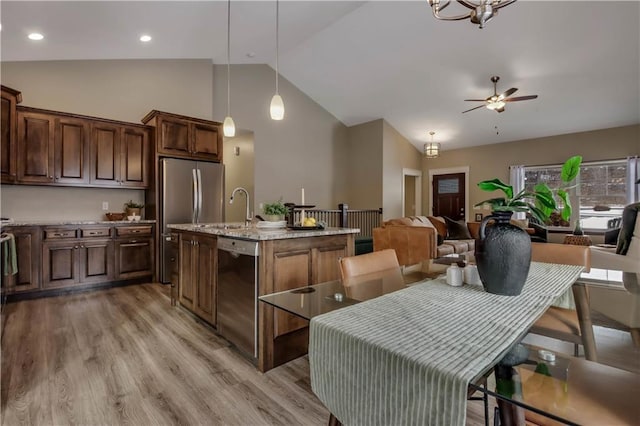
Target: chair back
point(565, 254)
point(367, 263)
point(371, 275)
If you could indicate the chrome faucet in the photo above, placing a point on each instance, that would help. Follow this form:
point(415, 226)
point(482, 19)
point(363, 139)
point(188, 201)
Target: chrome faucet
point(248, 219)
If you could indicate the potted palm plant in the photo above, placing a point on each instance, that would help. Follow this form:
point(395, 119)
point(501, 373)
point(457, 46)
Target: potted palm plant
point(503, 251)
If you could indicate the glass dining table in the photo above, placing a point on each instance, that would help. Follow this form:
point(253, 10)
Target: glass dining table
point(555, 386)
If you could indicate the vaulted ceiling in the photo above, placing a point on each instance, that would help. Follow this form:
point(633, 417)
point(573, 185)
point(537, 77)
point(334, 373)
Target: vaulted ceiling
point(381, 59)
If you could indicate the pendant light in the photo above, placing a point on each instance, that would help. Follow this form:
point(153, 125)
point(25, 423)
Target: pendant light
point(277, 106)
point(229, 127)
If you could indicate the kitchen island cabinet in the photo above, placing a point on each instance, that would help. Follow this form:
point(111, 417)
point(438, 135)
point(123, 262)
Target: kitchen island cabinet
point(287, 259)
point(197, 288)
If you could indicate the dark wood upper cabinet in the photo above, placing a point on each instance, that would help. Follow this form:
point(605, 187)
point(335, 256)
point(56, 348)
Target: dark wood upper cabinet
point(119, 155)
point(8, 127)
point(186, 137)
point(71, 144)
point(57, 148)
point(135, 157)
point(35, 146)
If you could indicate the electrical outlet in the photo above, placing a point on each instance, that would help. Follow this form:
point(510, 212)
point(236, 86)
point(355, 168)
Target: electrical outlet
point(261, 206)
point(105, 205)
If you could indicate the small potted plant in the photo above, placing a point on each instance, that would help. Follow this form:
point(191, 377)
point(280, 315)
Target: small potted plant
point(132, 208)
point(274, 211)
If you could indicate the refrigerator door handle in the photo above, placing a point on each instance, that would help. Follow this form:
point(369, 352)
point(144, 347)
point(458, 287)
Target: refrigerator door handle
point(194, 212)
point(199, 193)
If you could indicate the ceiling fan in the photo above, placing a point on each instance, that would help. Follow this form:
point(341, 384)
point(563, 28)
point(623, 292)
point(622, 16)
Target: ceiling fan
point(497, 102)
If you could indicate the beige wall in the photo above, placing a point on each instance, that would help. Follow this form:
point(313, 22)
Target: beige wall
point(493, 161)
point(120, 90)
point(306, 149)
point(398, 154)
point(364, 172)
point(238, 172)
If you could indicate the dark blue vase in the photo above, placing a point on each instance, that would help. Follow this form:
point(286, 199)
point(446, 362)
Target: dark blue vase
point(503, 255)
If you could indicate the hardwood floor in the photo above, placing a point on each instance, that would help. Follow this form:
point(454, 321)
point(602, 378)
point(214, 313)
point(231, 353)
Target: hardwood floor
point(125, 356)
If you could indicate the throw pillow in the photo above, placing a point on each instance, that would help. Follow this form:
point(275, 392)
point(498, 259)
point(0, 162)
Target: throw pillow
point(440, 225)
point(457, 230)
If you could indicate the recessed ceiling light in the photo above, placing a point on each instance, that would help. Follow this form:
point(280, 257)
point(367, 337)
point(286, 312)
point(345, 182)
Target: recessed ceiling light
point(251, 55)
point(145, 38)
point(35, 36)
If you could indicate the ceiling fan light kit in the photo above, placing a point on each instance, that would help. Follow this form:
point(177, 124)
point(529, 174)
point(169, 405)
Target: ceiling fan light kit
point(480, 12)
point(497, 102)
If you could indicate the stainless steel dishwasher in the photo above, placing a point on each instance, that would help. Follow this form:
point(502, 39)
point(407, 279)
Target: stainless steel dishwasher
point(238, 293)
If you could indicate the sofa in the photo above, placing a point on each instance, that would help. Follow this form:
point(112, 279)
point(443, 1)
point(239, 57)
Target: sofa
point(420, 238)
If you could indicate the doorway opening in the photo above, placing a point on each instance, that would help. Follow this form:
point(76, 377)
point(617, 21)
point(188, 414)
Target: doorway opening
point(411, 192)
point(449, 195)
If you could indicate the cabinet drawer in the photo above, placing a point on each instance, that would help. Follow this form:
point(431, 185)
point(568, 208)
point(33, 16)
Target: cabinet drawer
point(126, 231)
point(57, 234)
point(95, 232)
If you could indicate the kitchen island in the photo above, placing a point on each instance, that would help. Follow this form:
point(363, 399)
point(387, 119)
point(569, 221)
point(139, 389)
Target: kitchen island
point(283, 259)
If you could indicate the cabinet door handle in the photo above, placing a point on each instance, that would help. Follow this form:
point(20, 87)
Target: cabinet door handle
point(92, 233)
point(75, 247)
point(134, 241)
point(135, 231)
point(50, 177)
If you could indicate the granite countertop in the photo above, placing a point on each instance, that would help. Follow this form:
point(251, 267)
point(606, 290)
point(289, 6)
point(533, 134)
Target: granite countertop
point(238, 230)
point(74, 222)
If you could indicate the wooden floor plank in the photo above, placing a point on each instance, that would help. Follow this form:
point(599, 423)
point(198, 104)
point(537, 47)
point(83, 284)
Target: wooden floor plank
point(125, 356)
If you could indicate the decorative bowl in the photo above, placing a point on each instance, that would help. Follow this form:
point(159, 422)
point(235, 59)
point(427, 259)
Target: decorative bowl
point(115, 216)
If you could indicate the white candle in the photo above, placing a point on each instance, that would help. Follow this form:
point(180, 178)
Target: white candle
point(302, 203)
point(302, 217)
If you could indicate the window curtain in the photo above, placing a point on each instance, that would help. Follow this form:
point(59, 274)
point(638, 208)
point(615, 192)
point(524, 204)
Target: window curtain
point(516, 180)
point(633, 174)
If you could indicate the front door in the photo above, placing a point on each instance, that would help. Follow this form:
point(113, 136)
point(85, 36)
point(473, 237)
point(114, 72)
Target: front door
point(449, 195)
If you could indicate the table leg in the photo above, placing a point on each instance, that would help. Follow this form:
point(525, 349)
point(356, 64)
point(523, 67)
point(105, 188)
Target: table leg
point(584, 318)
point(508, 384)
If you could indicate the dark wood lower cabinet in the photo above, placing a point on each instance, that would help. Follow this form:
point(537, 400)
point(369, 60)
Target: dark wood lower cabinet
point(57, 257)
point(28, 262)
point(134, 257)
point(198, 266)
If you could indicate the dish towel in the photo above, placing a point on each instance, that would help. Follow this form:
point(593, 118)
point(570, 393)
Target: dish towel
point(9, 258)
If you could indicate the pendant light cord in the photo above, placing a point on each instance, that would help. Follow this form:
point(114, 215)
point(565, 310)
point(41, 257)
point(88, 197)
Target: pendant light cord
point(277, 41)
point(228, 58)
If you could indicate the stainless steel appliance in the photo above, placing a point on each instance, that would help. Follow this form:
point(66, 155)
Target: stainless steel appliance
point(238, 293)
point(191, 192)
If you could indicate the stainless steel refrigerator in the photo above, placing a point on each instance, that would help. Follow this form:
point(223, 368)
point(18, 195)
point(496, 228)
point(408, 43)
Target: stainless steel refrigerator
point(191, 192)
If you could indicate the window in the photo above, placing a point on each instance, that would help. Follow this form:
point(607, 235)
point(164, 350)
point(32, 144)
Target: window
point(601, 190)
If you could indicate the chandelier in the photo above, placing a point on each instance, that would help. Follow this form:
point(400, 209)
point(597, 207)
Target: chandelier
point(432, 149)
point(481, 11)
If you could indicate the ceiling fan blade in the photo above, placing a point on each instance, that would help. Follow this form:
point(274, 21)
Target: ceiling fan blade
point(475, 100)
point(507, 93)
point(521, 98)
point(481, 106)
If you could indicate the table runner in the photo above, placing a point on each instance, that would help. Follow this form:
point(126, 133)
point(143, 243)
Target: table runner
point(406, 358)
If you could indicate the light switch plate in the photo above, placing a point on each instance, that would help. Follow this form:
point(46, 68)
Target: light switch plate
point(105, 205)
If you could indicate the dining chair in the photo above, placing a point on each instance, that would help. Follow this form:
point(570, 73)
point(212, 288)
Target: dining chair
point(376, 261)
point(561, 323)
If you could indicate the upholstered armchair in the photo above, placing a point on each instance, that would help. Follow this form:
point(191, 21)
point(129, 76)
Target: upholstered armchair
point(626, 255)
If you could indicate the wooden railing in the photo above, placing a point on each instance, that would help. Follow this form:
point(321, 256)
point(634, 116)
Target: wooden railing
point(366, 220)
